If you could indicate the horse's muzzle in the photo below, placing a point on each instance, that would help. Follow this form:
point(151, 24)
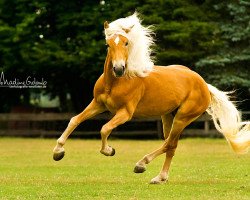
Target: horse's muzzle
point(119, 71)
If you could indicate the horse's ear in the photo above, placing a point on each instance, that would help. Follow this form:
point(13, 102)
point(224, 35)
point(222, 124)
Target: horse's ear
point(127, 30)
point(106, 25)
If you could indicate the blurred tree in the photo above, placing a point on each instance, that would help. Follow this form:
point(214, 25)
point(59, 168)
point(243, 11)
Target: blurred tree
point(63, 41)
point(184, 32)
point(60, 41)
point(228, 67)
point(15, 33)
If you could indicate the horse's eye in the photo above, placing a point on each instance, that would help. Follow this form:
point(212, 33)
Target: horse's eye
point(126, 44)
point(107, 45)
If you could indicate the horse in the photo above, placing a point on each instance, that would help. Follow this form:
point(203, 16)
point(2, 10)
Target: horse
point(132, 86)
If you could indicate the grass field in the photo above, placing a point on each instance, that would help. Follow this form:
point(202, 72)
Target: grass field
point(201, 169)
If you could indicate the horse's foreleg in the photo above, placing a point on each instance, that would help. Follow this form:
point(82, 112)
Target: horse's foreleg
point(120, 118)
point(91, 110)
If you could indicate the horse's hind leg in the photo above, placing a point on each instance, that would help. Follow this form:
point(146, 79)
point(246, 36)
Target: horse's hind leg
point(184, 116)
point(187, 113)
point(167, 121)
point(90, 111)
point(170, 146)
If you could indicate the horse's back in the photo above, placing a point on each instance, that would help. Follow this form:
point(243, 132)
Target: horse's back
point(174, 66)
point(178, 74)
point(166, 88)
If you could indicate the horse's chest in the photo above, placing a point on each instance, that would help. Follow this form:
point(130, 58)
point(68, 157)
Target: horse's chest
point(108, 101)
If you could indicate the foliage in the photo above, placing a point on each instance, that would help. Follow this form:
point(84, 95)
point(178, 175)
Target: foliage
point(230, 63)
point(183, 32)
point(63, 42)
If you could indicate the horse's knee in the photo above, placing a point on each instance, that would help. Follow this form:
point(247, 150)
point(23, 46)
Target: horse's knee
point(74, 121)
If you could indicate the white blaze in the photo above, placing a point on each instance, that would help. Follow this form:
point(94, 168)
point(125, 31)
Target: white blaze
point(117, 39)
point(118, 63)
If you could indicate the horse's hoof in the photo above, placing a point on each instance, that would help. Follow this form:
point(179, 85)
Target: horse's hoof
point(139, 169)
point(58, 156)
point(112, 152)
point(158, 181)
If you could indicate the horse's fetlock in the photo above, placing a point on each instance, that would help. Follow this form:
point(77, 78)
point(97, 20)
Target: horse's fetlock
point(146, 159)
point(61, 141)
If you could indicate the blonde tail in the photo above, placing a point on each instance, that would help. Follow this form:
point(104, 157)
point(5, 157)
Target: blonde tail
point(227, 120)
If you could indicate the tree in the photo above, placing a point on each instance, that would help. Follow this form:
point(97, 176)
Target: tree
point(63, 41)
point(183, 30)
point(14, 34)
point(229, 67)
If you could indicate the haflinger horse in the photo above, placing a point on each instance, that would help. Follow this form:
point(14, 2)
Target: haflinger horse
point(131, 86)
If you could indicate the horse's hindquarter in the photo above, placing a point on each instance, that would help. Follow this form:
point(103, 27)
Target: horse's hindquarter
point(166, 88)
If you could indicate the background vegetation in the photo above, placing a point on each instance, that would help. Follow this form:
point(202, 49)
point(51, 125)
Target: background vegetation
point(63, 42)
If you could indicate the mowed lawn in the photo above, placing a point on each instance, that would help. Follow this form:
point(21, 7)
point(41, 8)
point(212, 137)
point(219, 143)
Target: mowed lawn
point(201, 169)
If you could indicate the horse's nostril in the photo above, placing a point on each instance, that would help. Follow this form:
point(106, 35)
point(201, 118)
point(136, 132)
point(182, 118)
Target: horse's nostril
point(119, 70)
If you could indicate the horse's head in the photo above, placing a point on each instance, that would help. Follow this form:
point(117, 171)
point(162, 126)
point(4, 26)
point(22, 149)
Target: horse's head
point(118, 46)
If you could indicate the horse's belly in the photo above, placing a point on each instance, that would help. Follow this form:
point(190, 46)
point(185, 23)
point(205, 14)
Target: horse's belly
point(155, 107)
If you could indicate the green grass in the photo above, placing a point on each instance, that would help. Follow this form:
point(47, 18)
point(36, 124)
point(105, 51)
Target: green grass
point(201, 169)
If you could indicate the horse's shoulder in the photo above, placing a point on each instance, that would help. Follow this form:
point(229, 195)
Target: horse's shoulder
point(99, 84)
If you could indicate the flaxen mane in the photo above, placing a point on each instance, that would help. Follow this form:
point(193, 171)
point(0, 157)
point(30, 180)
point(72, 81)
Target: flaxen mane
point(140, 61)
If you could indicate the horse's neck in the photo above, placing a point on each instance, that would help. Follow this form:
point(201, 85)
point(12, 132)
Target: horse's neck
point(108, 76)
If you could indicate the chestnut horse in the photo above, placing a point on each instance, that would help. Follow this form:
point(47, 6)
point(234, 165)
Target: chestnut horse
point(131, 86)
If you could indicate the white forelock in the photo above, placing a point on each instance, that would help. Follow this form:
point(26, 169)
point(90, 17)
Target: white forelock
point(140, 39)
